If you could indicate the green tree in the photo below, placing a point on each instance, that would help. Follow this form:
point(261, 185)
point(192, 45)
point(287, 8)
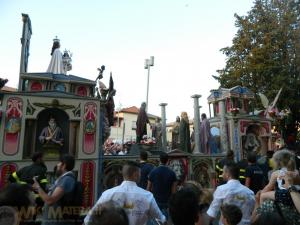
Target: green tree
point(265, 55)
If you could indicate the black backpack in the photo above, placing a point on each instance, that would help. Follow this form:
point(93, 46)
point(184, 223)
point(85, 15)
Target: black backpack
point(75, 197)
point(71, 200)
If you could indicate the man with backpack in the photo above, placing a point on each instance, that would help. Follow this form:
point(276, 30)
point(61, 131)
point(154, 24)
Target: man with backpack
point(59, 202)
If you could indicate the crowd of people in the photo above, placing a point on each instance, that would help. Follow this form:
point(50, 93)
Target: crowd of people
point(256, 199)
point(115, 148)
point(152, 195)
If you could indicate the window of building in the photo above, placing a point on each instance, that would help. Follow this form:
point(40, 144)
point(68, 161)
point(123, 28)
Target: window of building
point(133, 125)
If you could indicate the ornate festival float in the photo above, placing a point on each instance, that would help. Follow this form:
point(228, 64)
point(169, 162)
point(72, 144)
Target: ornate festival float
point(234, 125)
point(58, 113)
point(54, 113)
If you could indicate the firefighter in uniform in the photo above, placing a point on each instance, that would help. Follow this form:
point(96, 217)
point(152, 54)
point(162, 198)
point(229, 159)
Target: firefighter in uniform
point(219, 166)
point(242, 164)
point(25, 175)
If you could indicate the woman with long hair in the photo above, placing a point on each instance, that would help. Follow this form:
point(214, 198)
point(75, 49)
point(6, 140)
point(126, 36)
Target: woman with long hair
point(284, 161)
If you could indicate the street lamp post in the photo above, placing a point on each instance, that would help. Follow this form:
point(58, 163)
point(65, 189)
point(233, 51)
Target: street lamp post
point(148, 64)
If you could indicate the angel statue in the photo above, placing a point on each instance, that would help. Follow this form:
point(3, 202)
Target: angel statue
point(107, 103)
point(270, 109)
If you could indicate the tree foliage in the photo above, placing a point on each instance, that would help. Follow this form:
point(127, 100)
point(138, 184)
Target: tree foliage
point(265, 54)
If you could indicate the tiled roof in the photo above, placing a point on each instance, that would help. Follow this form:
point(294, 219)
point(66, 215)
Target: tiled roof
point(132, 109)
point(135, 110)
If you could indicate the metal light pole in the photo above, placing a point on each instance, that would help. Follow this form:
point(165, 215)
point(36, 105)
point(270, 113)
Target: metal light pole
point(147, 65)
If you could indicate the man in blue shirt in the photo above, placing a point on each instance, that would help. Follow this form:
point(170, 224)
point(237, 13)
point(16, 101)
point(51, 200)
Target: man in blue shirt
point(162, 183)
point(146, 168)
point(54, 201)
point(254, 174)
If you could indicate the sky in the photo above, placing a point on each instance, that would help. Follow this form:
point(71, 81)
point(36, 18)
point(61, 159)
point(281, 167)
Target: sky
point(184, 36)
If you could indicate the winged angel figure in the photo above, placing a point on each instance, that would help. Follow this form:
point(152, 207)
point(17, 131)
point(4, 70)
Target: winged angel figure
point(270, 109)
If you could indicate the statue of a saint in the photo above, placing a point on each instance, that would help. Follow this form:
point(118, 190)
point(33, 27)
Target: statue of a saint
point(184, 133)
point(252, 144)
point(52, 135)
point(141, 123)
point(56, 65)
point(205, 134)
point(157, 132)
point(175, 133)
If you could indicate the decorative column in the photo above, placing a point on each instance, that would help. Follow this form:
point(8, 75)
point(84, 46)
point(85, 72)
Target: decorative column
point(196, 123)
point(163, 122)
point(223, 129)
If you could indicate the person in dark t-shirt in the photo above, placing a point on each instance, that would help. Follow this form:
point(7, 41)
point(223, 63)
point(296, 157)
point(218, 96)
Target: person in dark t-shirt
point(219, 166)
point(254, 174)
point(146, 168)
point(162, 182)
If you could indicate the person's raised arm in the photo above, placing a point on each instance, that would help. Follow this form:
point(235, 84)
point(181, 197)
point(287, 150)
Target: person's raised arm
point(271, 185)
point(49, 200)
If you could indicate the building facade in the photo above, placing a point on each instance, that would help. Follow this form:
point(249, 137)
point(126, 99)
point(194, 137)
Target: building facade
point(125, 124)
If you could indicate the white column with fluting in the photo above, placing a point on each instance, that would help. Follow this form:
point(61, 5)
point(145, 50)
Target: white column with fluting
point(163, 122)
point(197, 123)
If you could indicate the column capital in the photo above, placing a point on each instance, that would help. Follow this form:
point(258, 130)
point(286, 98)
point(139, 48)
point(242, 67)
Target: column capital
point(196, 96)
point(163, 104)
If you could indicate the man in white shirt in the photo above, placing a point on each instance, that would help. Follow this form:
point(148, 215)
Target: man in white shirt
point(138, 203)
point(233, 192)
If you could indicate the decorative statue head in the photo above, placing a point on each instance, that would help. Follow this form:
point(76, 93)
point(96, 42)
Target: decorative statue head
point(178, 167)
point(143, 105)
point(56, 45)
point(52, 123)
point(184, 116)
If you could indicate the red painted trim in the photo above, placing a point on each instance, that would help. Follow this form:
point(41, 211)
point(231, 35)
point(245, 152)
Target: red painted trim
point(90, 121)
point(87, 171)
